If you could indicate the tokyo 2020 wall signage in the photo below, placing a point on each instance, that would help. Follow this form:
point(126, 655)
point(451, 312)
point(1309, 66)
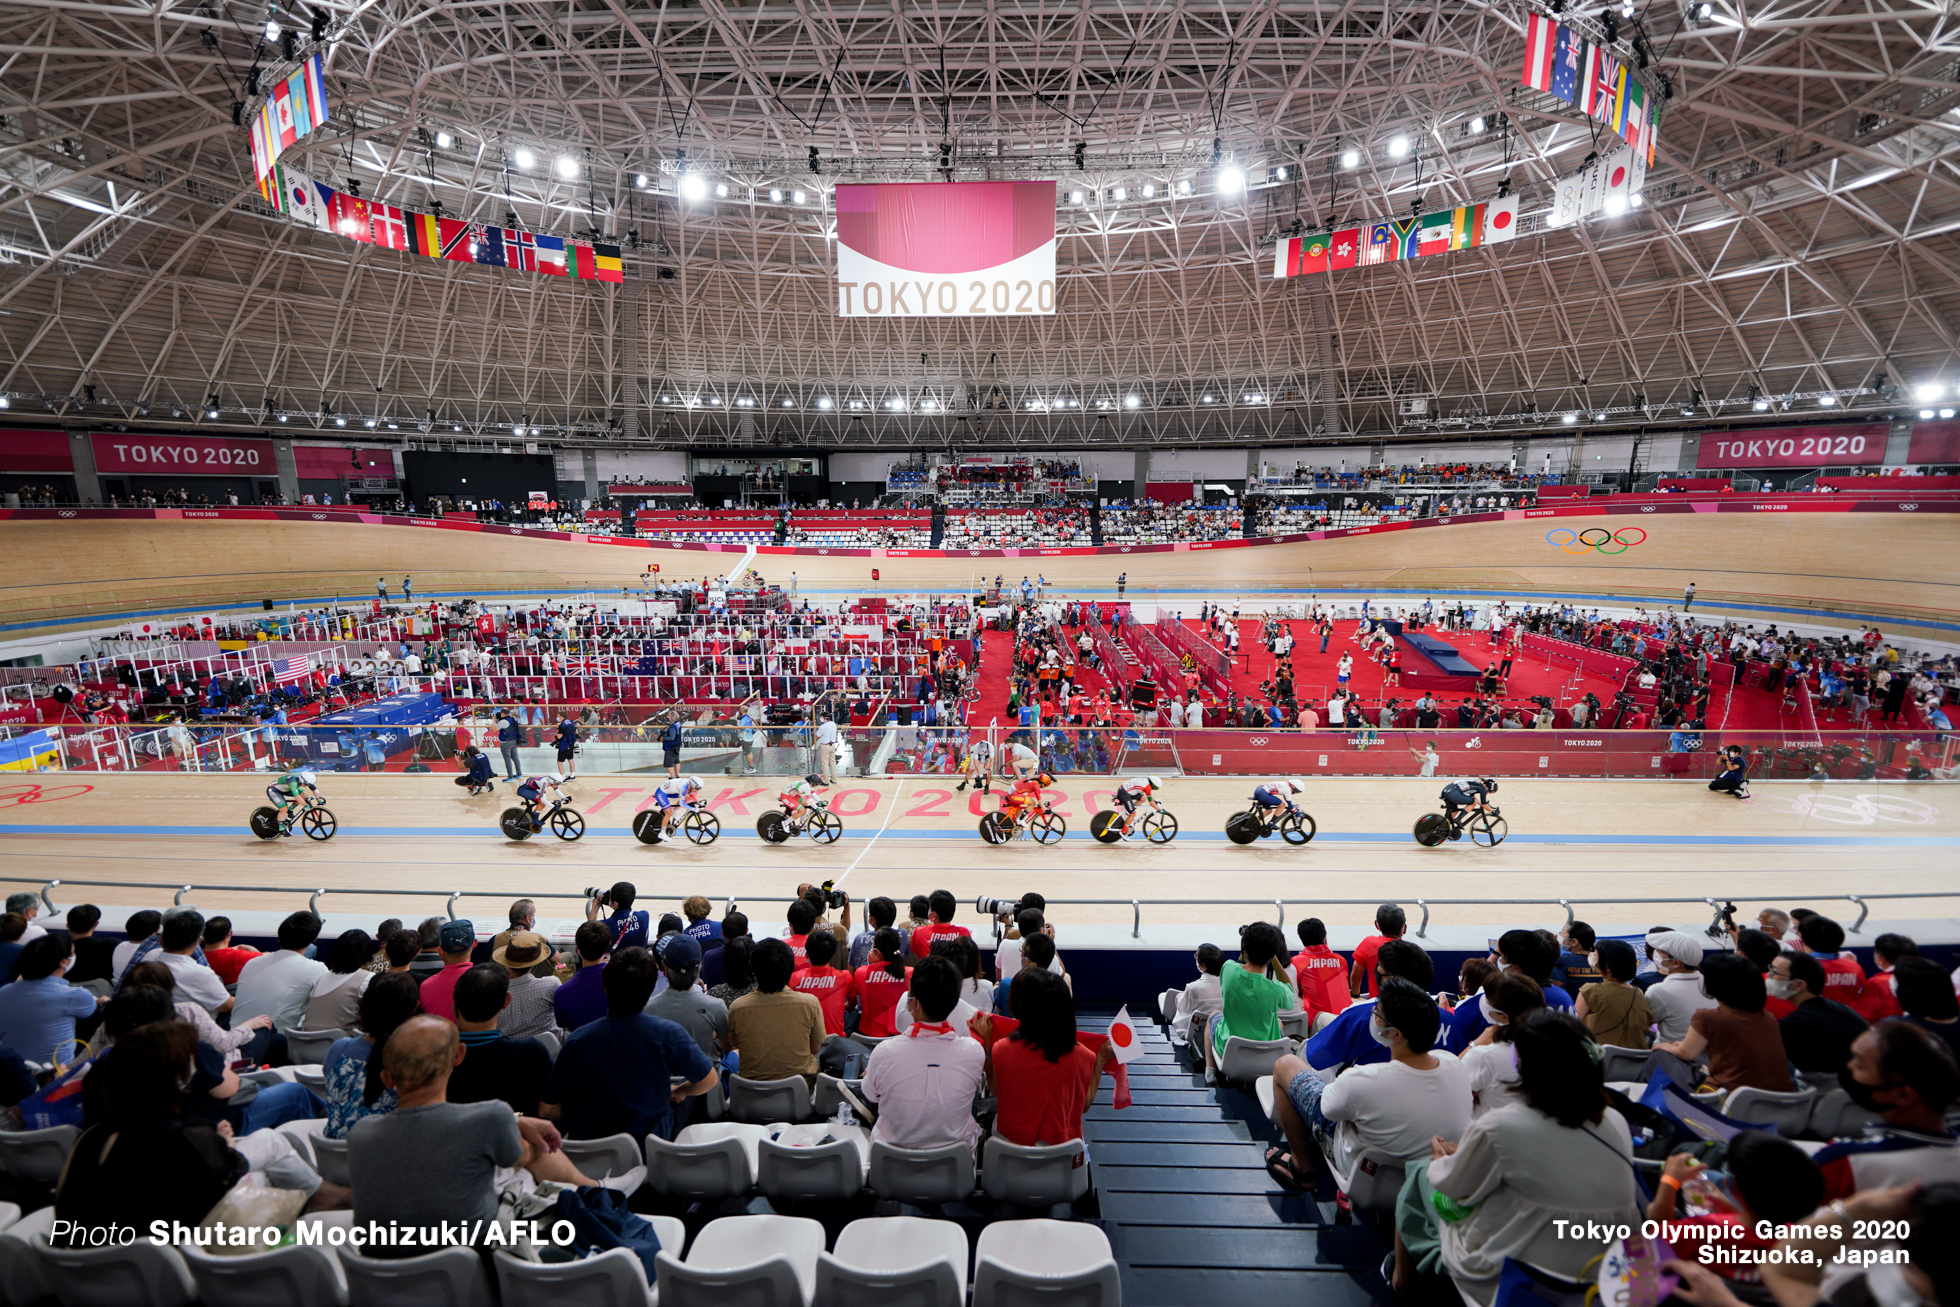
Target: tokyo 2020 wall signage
point(946, 250)
point(206, 456)
point(1838, 446)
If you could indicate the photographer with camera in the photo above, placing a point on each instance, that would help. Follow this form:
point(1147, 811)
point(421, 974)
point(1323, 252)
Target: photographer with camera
point(627, 926)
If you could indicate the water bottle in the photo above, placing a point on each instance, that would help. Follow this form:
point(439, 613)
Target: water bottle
point(844, 1115)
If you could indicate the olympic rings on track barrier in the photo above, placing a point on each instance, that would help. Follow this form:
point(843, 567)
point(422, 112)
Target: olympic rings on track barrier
point(1595, 539)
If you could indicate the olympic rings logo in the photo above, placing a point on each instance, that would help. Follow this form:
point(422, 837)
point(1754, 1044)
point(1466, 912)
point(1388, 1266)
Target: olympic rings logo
point(13, 796)
point(1597, 539)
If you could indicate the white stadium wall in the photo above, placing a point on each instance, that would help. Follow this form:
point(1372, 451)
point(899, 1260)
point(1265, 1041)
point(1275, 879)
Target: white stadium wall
point(650, 466)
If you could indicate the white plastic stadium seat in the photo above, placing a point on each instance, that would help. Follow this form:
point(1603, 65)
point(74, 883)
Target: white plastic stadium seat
point(705, 1163)
point(1245, 1060)
point(1262, 1089)
point(895, 1261)
point(24, 1276)
point(1034, 1177)
point(600, 1158)
point(303, 1277)
point(453, 1277)
point(1617, 1063)
point(921, 1176)
point(823, 1172)
point(137, 1274)
point(1373, 1182)
point(37, 1154)
point(614, 1278)
point(1064, 1263)
point(1787, 1113)
point(309, 1047)
point(330, 1159)
point(765, 1102)
point(745, 1261)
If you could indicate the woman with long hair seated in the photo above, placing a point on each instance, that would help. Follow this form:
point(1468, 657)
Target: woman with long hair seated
point(1042, 1077)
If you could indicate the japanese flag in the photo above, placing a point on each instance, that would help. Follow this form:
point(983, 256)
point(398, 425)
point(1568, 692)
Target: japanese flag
point(1123, 1038)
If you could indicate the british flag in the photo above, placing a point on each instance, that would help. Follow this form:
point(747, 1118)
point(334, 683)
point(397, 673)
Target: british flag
point(286, 671)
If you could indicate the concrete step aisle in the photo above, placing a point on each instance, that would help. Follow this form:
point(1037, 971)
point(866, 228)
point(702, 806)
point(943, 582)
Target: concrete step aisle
point(1191, 1212)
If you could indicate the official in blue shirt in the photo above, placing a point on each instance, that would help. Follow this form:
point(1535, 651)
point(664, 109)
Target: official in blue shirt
point(613, 1075)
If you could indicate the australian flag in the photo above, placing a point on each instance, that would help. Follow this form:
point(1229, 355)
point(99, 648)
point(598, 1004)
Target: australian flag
point(490, 246)
point(1568, 57)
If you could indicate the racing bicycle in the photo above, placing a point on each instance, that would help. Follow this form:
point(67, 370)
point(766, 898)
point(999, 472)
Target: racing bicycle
point(564, 822)
point(314, 819)
point(1043, 824)
point(699, 825)
point(1156, 824)
point(1293, 825)
point(1486, 826)
point(814, 819)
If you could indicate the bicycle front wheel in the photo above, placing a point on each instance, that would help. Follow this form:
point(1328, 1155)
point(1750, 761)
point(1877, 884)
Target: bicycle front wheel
point(1298, 828)
point(1489, 831)
point(702, 827)
point(318, 823)
point(1047, 827)
point(825, 827)
point(566, 824)
point(1160, 827)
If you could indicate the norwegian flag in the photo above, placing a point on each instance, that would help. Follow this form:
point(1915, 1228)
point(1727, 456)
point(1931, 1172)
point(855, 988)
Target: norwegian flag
point(286, 671)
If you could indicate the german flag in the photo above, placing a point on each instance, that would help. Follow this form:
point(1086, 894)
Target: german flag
point(424, 235)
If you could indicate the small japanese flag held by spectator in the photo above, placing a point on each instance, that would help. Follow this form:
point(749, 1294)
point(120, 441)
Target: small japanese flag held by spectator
point(1123, 1037)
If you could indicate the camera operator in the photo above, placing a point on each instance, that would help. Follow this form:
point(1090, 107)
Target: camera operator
point(1585, 710)
point(627, 926)
point(824, 898)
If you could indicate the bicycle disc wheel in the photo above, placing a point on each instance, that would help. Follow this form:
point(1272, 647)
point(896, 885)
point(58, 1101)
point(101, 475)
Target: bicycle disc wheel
point(1242, 828)
point(514, 824)
point(1160, 828)
point(1432, 828)
point(770, 827)
point(702, 827)
point(1106, 827)
point(1047, 827)
point(646, 827)
point(1298, 828)
point(995, 828)
point(825, 827)
point(265, 823)
point(1490, 832)
point(318, 823)
point(566, 824)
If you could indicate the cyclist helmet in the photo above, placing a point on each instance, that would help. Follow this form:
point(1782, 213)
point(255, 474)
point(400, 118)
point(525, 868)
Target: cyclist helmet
point(1154, 782)
point(813, 779)
point(308, 776)
point(1044, 780)
point(1489, 783)
point(1299, 784)
point(554, 778)
point(691, 783)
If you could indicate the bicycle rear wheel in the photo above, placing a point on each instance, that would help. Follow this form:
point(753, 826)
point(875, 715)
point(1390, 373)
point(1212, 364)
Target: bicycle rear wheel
point(1432, 828)
point(646, 827)
point(516, 826)
point(825, 827)
point(1047, 827)
point(567, 824)
point(1298, 828)
point(318, 823)
point(996, 828)
point(1106, 827)
point(701, 827)
point(265, 823)
point(1489, 831)
point(1242, 828)
point(770, 827)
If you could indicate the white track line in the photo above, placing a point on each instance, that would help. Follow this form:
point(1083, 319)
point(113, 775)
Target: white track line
point(874, 838)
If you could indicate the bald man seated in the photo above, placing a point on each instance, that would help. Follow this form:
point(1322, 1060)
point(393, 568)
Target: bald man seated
point(430, 1161)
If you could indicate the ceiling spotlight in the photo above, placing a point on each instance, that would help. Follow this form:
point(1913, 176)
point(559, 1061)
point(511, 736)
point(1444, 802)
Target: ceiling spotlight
point(641, 181)
point(1925, 414)
point(775, 195)
point(714, 401)
point(567, 166)
point(823, 402)
point(1149, 190)
point(444, 140)
point(1132, 401)
point(370, 424)
point(1704, 11)
point(1930, 391)
point(523, 158)
point(1184, 187)
point(1946, 412)
point(1569, 419)
point(721, 190)
point(693, 188)
point(1761, 406)
point(271, 30)
point(930, 405)
point(1230, 181)
point(456, 426)
point(340, 422)
point(1599, 417)
point(1350, 158)
point(211, 413)
point(1635, 200)
point(5, 402)
point(394, 426)
point(282, 417)
point(1075, 197)
point(1120, 193)
point(1208, 399)
point(1615, 206)
point(1477, 125)
point(798, 197)
point(1397, 146)
point(1827, 401)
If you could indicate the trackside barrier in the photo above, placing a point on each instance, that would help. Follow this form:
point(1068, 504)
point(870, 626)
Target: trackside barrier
point(1714, 902)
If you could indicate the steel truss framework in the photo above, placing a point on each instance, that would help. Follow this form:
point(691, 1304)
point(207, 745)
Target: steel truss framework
point(1800, 235)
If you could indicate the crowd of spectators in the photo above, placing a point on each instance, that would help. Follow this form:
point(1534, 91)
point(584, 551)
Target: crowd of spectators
point(1149, 522)
point(1503, 475)
point(1052, 526)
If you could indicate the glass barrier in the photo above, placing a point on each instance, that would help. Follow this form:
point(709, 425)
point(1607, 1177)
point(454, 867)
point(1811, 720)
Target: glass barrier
point(712, 741)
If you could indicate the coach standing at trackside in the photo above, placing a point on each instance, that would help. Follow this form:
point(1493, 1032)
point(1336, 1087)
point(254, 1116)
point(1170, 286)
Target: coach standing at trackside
point(508, 735)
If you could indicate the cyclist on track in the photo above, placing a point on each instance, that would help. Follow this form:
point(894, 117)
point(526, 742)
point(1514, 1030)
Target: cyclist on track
point(1274, 795)
point(802, 795)
point(1468, 795)
point(535, 790)
point(1025, 800)
point(1138, 789)
point(287, 794)
point(674, 799)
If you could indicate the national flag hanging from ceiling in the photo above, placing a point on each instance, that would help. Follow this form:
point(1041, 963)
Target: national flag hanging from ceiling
point(293, 108)
point(551, 255)
point(1539, 34)
point(1461, 228)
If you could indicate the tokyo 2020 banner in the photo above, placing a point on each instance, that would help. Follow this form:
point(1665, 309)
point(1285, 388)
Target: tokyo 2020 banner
point(946, 249)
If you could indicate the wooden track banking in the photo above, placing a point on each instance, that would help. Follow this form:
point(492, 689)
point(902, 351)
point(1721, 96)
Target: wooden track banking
point(1891, 566)
point(1582, 840)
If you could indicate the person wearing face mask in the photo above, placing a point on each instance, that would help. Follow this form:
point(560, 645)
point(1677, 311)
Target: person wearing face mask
point(1876, 999)
point(1493, 1061)
point(1613, 1010)
point(1738, 1039)
point(1925, 991)
point(1908, 1076)
point(1679, 995)
point(1394, 1107)
point(1345, 1040)
point(1818, 1033)
point(925, 1081)
point(1925, 1275)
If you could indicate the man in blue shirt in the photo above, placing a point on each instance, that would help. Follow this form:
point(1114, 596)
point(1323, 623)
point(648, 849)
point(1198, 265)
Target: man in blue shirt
point(38, 1011)
point(583, 998)
point(613, 1074)
point(508, 735)
point(627, 926)
point(699, 927)
point(1346, 1040)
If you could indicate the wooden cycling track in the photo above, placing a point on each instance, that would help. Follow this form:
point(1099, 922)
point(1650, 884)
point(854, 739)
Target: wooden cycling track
point(1598, 843)
point(1850, 568)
